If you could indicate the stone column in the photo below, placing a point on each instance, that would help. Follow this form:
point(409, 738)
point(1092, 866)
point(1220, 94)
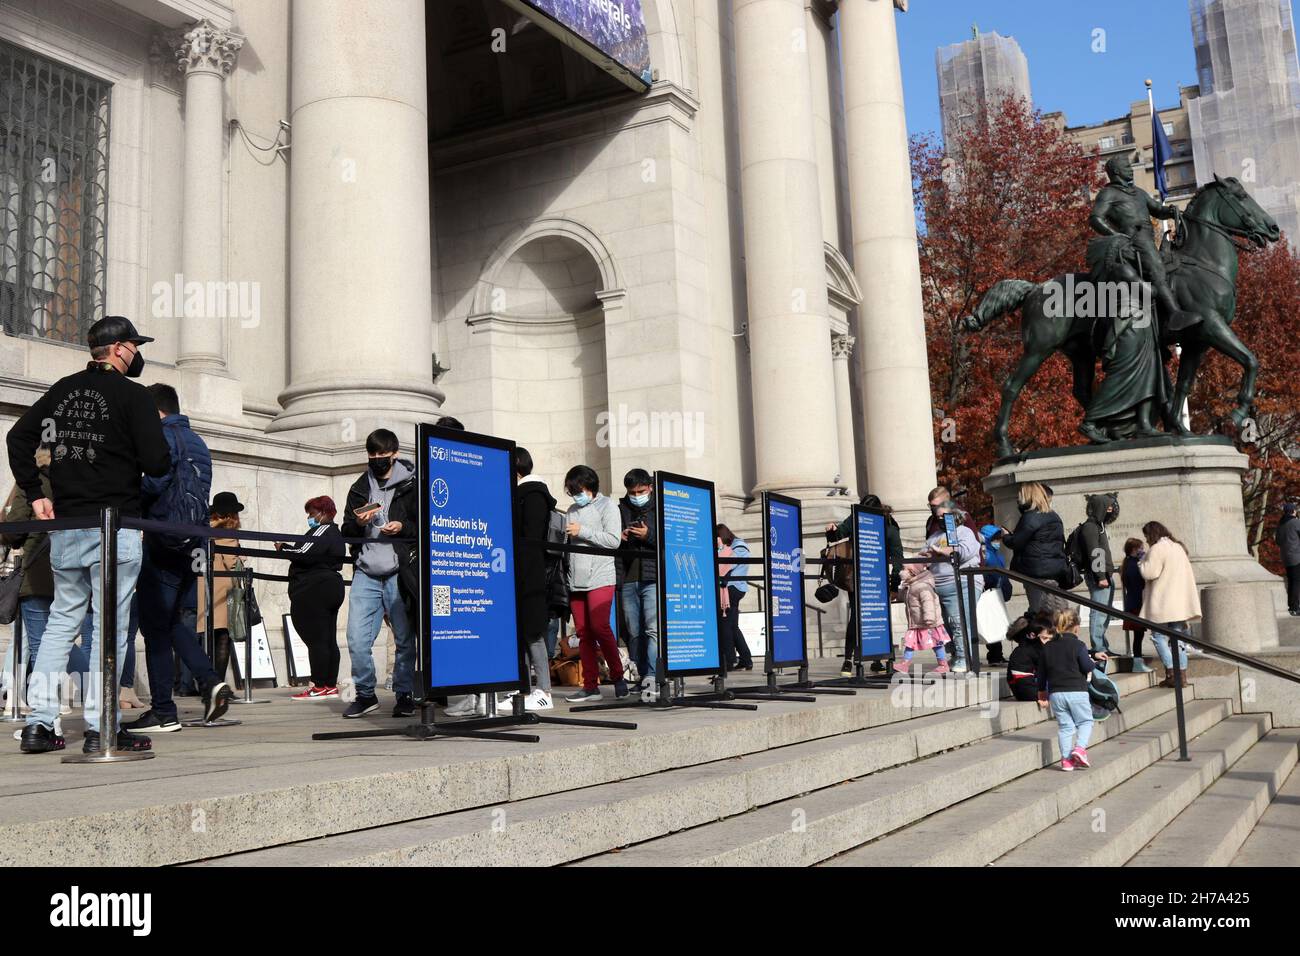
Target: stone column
point(841, 350)
point(204, 54)
point(360, 222)
point(891, 329)
point(796, 447)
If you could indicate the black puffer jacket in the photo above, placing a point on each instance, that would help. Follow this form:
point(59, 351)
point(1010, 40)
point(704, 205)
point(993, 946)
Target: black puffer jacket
point(1039, 545)
point(533, 504)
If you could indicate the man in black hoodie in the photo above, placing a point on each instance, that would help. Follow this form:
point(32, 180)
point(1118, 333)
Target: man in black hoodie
point(381, 505)
point(1098, 563)
point(105, 431)
point(639, 589)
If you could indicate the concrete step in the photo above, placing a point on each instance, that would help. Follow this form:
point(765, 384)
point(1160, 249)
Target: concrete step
point(814, 826)
point(1214, 827)
point(978, 831)
point(1275, 841)
point(1112, 829)
point(587, 820)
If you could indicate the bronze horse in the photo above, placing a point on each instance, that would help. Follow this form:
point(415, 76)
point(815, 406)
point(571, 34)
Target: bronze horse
point(1203, 277)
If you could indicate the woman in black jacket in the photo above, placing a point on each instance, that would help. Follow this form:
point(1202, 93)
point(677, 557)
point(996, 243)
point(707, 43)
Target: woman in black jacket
point(316, 594)
point(1038, 541)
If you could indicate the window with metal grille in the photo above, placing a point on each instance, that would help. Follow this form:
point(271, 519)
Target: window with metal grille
point(53, 196)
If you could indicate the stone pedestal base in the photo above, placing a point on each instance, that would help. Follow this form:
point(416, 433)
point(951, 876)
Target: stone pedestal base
point(1193, 487)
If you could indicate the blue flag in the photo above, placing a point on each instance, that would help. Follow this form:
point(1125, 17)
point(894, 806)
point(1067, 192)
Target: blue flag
point(1161, 152)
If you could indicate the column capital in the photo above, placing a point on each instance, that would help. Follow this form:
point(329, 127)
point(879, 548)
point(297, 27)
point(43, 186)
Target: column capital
point(842, 347)
point(200, 47)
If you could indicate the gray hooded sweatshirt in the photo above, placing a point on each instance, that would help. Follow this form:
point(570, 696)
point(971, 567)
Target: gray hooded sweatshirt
point(379, 560)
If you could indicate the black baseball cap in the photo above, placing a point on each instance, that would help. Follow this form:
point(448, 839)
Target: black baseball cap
point(114, 328)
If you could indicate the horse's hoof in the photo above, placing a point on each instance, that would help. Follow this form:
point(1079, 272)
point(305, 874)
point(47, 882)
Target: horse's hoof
point(1241, 416)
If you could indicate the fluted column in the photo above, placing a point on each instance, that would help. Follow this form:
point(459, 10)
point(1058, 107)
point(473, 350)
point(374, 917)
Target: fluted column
point(360, 222)
point(204, 54)
point(796, 448)
point(841, 352)
point(891, 329)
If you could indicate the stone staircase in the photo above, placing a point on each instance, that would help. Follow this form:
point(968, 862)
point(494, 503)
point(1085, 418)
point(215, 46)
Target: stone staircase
point(970, 785)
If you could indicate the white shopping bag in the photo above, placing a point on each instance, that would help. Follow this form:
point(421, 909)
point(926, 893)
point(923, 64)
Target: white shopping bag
point(991, 616)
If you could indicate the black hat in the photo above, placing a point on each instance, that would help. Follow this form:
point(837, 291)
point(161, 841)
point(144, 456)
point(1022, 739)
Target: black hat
point(114, 328)
point(225, 503)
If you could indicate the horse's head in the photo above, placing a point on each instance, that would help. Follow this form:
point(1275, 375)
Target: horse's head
point(1238, 213)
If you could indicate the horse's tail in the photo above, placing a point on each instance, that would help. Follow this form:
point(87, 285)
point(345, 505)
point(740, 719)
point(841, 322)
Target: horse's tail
point(1005, 296)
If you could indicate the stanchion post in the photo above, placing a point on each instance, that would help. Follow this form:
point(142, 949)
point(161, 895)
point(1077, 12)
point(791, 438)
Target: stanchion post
point(961, 607)
point(1178, 699)
point(971, 601)
point(209, 636)
point(17, 684)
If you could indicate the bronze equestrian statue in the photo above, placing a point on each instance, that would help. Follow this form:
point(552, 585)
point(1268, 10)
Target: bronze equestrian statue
point(1089, 315)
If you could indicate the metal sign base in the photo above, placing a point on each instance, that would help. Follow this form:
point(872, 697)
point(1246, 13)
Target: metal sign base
point(770, 691)
point(110, 757)
point(221, 722)
point(716, 700)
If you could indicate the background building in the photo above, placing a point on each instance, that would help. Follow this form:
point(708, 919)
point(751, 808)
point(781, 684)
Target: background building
point(1246, 120)
point(975, 75)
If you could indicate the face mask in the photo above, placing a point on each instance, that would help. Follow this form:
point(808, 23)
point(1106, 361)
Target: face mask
point(312, 523)
point(136, 367)
point(380, 466)
point(995, 545)
point(1024, 506)
point(582, 499)
point(639, 500)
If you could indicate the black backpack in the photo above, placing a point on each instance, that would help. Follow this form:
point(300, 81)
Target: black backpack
point(1075, 559)
point(185, 501)
point(557, 563)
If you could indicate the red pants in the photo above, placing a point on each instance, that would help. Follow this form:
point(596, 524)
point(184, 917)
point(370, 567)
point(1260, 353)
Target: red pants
point(591, 621)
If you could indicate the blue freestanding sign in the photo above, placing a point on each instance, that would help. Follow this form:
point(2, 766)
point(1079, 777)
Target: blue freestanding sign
point(689, 639)
point(783, 570)
point(871, 577)
point(469, 604)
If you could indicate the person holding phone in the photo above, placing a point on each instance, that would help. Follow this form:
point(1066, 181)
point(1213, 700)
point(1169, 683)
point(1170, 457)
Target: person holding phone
point(639, 588)
point(316, 594)
point(951, 535)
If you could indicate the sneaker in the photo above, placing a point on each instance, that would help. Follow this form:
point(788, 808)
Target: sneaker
point(620, 688)
point(39, 739)
point(126, 741)
point(404, 707)
point(467, 706)
point(900, 667)
point(1067, 763)
point(361, 706)
point(649, 693)
point(539, 700)
point(217, 701)
point(583, 695)
point(846, 669)
point(1140, 666)
point(943, 668)
point(1080, 757)
point(877, 667)
point(960, 667)
point(151, 722)
point(316, 693)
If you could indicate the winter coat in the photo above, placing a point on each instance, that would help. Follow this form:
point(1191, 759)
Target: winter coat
point(638, 570)
point(968, 553)
point(1099, 564)
point(994, 558)
point(1288, 539)
point(403, 507)
point(38, 576)
point(533, 504)
point(923, 607)
point(1039, 545)
point(320, 557)
point(893, 545)
point(598, 525)
point(1171, 594)
point(220, 585)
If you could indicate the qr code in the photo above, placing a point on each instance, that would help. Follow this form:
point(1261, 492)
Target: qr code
point(441, 600)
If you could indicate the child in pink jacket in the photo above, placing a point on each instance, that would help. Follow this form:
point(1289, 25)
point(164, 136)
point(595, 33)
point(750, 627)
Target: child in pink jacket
point(925, 630)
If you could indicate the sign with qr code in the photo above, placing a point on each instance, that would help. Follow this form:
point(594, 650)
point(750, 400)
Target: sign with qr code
point(469, 619)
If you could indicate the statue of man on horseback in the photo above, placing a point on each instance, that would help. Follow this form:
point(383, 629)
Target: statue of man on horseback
point(1194, 285)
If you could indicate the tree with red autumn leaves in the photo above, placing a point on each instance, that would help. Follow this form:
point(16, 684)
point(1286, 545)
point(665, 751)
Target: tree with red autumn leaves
point(1016, 205)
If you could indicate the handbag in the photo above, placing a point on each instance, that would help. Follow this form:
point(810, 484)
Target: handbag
point(991, 617)
point(11, 582)
point(238, 621)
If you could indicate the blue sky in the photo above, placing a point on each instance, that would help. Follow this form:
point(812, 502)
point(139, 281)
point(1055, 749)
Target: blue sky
point(1143, 38)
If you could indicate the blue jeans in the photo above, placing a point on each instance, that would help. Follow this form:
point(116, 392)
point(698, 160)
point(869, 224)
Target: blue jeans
point(74, 558)
point(552, 636)
point(369, 599)
point(165, 586)
point(1162, 646)
point(1096, 621)
point(1073, 713)
point(641, 612)
point(81, 659)
point(951, 600)
point(35, 612)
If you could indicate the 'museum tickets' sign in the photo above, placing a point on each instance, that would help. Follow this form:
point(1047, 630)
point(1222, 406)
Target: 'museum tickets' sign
point(688, 576)
point(610, 33)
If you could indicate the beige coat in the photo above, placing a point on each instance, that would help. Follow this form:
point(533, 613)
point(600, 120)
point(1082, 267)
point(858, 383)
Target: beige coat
point(1171, 593)
point(220, 586)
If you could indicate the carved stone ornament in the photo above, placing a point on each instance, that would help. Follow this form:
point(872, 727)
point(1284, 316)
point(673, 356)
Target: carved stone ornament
point(200, 47)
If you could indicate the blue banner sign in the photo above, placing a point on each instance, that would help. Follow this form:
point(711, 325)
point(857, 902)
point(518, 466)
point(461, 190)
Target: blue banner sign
point(610, 33)
point(469, 602)
point(871, 575)
point(688, 576)
point(783, 568)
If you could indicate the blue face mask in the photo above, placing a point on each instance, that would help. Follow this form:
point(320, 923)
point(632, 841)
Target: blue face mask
point(639, 500)
point(312, 522)
point(582, 499)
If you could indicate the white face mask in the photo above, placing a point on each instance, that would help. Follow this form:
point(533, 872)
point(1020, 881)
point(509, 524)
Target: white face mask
point(582, 499)
point(639, 500)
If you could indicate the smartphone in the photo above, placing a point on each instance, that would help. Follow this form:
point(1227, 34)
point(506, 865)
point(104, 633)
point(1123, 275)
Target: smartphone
point(372, 506)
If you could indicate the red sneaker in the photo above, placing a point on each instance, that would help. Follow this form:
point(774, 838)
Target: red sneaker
point(316, 693)
point(1080, 757)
